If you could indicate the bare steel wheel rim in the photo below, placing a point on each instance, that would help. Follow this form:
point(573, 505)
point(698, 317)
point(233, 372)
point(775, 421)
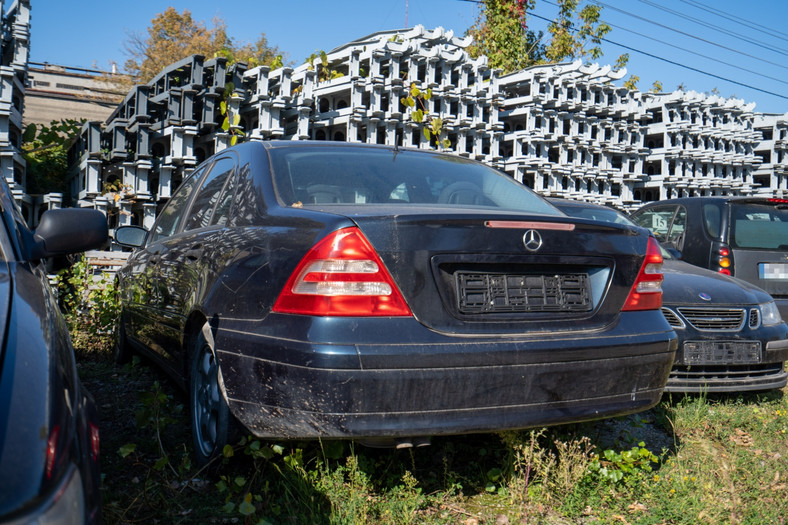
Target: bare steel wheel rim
point(206, 401)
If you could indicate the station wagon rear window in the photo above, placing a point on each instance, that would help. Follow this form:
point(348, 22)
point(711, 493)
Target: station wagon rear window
point(319, 176)
point(759, 226)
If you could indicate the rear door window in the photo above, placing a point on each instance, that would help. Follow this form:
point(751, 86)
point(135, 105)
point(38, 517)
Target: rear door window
point(222, 213)
point(712, 219)
point(208, 196)
point(657, 219)
point(170, 217)
point(677, 227)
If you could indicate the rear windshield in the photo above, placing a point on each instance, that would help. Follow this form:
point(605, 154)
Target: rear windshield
point(323, 175)
point(759, 226)
point(597, 214)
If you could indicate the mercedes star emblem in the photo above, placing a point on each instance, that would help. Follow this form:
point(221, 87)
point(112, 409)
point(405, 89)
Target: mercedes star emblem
point(532, 240)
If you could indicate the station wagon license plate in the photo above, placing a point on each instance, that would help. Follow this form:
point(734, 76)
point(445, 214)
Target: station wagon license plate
point(722, 352)
point(773, 271)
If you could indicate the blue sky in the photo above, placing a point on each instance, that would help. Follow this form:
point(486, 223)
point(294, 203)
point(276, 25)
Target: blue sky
point(738, 42)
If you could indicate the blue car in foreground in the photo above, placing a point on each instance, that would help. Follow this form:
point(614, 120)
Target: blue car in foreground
point(49, 435)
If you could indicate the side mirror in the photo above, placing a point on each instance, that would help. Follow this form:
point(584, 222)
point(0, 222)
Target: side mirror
point(68, 230)
point(130, 236)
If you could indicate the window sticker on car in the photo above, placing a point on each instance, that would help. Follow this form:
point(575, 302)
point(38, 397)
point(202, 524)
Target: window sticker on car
point(773, 271)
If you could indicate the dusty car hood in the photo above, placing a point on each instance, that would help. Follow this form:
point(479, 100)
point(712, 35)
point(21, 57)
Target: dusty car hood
point(685, 282)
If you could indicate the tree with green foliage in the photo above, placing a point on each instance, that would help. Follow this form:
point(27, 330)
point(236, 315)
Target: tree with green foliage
point(503, 34)
point(576, 34)
point(173, 36)
point(45, 150)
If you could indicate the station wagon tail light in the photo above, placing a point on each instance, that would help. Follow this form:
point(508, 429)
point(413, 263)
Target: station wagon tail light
point(724, 260)
point(342, 275)
point(646, 293)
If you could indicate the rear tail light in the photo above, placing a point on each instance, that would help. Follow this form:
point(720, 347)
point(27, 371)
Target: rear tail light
point(722, 259)
point(342, 275)
point(646, 293)
point(94, 442)
point(53, 449)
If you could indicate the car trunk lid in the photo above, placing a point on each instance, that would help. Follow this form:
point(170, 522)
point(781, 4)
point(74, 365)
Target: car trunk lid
point(495, 273)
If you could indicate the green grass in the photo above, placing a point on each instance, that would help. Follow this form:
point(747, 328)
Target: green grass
point(692, 459)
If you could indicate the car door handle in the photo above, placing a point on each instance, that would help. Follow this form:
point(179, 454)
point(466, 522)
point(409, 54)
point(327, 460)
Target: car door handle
point(194, 253)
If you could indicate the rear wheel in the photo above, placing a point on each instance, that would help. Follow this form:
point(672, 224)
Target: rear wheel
point(211, 418)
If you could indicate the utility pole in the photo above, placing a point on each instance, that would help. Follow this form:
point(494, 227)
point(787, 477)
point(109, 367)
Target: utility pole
point(406, 14)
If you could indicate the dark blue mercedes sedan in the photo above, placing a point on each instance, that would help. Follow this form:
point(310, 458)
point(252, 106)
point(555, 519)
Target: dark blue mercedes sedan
point(335, 290)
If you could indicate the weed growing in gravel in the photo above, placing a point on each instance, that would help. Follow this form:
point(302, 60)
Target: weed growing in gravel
point(90, 306)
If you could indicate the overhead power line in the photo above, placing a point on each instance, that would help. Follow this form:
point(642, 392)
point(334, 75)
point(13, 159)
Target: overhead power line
point(666, 60)
point(672, 62)
point(695, 37)
point(737, 19)
point(744, 38)
point(701, 55)
point(720, 77)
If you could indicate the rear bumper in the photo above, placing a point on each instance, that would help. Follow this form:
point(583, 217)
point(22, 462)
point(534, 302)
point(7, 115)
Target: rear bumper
point(287, 388)
point(769, 374)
